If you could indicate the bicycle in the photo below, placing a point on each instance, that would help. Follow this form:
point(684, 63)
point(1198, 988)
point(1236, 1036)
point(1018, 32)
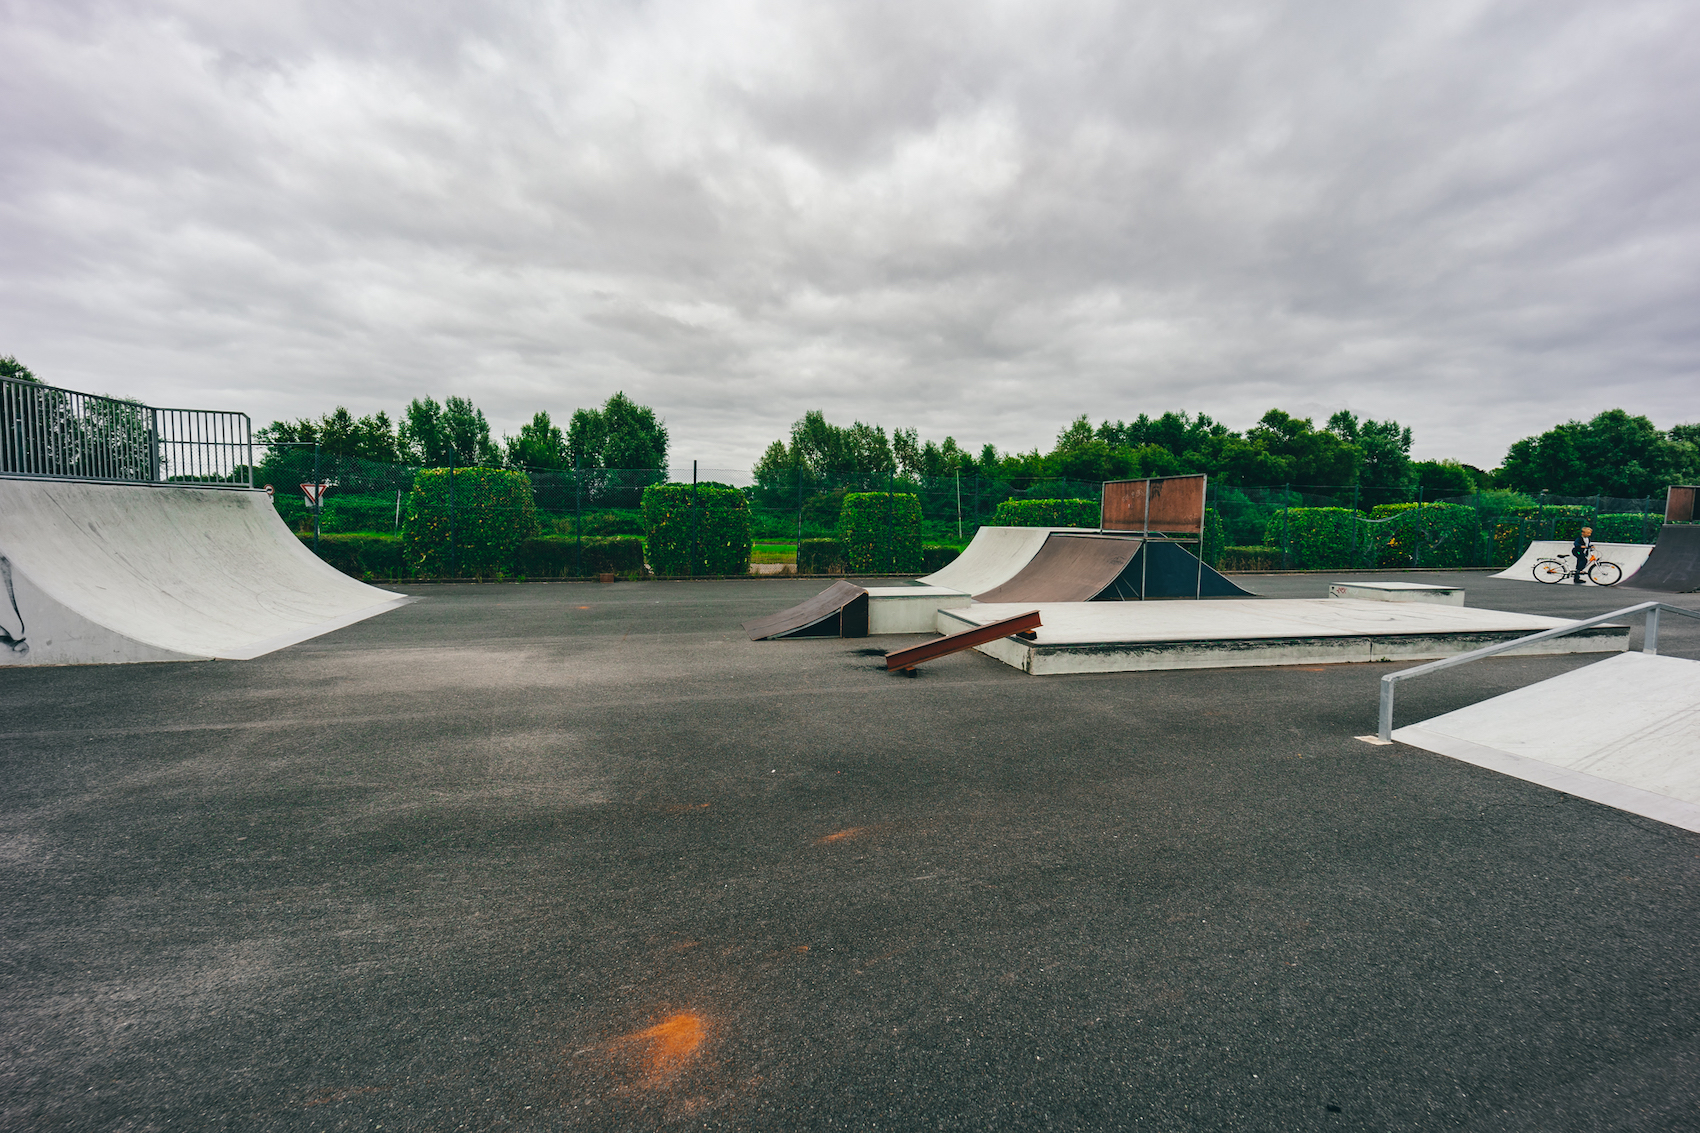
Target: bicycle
point(1599, 572)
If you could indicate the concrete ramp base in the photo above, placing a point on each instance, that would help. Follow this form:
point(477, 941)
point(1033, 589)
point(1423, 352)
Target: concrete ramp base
point(102, 573)
point(1624, 733)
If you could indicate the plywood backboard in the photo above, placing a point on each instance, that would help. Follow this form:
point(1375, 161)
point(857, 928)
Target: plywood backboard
point(1679, 503)
point(1165, 503)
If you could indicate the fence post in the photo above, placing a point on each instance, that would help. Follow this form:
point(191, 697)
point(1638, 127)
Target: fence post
point(1417, 540)
point(454, 554)
point(799, 506)
point(318, 498)
point(154, 469)
point(959, 504)
point(1286, 530)
point(578, 521)
point(693, 519)
point(890, 546)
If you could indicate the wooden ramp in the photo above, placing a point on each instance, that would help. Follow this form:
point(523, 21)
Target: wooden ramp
point(841, 610)
point(1674, 565)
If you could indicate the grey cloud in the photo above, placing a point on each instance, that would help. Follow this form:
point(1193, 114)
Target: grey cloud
point(976, 219)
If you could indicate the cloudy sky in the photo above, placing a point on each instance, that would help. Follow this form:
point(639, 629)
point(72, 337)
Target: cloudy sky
point(977, 219)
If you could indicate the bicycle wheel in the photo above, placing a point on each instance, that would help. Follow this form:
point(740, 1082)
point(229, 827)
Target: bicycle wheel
point(1603, 573)
point(1550, 570)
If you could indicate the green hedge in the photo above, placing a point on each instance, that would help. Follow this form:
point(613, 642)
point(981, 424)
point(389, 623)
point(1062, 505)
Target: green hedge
point(361, 556)
point(556, 556)
point(1316, 538)
point(937, 556)
point(1427, 535)
point(1046, 513)
point(821, 556)
point(881, 532)
point(1251, 558)
point(1628, 527)
point(697, 529)
point(493, 514)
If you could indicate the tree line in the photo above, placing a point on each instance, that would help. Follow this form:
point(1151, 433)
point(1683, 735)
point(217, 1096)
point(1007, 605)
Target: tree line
point(620, 434)
point(1613, 454)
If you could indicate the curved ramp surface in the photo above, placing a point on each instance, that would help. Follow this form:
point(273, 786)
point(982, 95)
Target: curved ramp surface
point(993, 557)
point(1629, 556)
point(1674, 565)
point(1087, 568)
point(841, 610)
point(101, 573)
point(1068, 568)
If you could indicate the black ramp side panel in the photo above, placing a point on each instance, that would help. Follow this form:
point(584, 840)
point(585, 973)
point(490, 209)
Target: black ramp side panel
point(841, 610)
point(1172, 572)
point(1068, 568)
point(1674, 564)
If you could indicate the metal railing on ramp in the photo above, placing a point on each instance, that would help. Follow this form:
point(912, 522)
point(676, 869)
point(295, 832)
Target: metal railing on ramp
point(1649, 644)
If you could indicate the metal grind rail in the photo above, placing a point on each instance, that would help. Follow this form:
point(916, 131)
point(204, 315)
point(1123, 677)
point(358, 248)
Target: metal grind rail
point(50, 433)
point(1649, 644)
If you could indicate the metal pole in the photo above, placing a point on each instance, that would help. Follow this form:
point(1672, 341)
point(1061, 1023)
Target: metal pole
point(1203, 515)
point(890, 539)
point(799, 505)
point(1650, 639)
point(693, 518)
point(1144, 539)
point(959, 505)
point(318, 498)
point(454, 554)
point(578, 522)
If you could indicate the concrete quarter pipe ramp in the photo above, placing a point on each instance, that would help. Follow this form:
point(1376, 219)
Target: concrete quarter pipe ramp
point(993, 557)
point(100, 573)
point(1674, 565)
point(1629, 556)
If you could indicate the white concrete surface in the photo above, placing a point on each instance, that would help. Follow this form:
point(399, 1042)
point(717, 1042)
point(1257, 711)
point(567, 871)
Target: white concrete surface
point(1112, 637)
point(910, 609)
point(1624, 732)
point(1397, 592)
point(993, 557)
point(138, 572)
point(1629, 556)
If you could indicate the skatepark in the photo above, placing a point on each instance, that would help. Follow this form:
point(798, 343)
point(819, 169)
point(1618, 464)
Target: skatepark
point(587, 856)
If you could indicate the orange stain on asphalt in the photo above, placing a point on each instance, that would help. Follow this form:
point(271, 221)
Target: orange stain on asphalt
point(849, 832)
point(669, 1044)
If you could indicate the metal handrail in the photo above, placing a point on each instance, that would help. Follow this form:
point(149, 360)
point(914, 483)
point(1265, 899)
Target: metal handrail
point(1650, 644)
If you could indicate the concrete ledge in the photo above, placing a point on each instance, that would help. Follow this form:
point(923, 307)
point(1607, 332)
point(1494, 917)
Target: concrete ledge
point(1397, 592)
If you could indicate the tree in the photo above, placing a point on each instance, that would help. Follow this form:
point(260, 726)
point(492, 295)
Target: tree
point(1303, 454)
point(10, 367)
point(1441, 478)
point(1612, 455)
point(455, 432)
point(338, 433)
point(540, 444)
point(622, 434)
point(1384, 449)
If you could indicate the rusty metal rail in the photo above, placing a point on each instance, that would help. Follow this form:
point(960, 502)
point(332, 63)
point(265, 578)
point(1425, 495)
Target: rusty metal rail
point(905, 660)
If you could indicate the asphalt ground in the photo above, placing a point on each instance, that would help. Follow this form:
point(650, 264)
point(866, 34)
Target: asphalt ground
point(580, 856)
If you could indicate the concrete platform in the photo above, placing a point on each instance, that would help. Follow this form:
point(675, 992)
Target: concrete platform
point(1398, 592)
point(910, 609)
point(1624, 732)
point(1114, 637)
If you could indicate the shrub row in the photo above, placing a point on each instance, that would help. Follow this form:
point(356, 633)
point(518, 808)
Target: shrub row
point(361, 556)
point(558, 556)
point(820, 556)
point(881, 532)
point(492, 514)
point(1250, 558)
point(550, 556)
point(697, 529)
point(1047, 513)
point(1628, 527)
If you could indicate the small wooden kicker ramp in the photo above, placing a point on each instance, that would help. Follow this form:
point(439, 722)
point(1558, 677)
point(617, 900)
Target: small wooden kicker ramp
point(96, 573)
point(841, 610)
